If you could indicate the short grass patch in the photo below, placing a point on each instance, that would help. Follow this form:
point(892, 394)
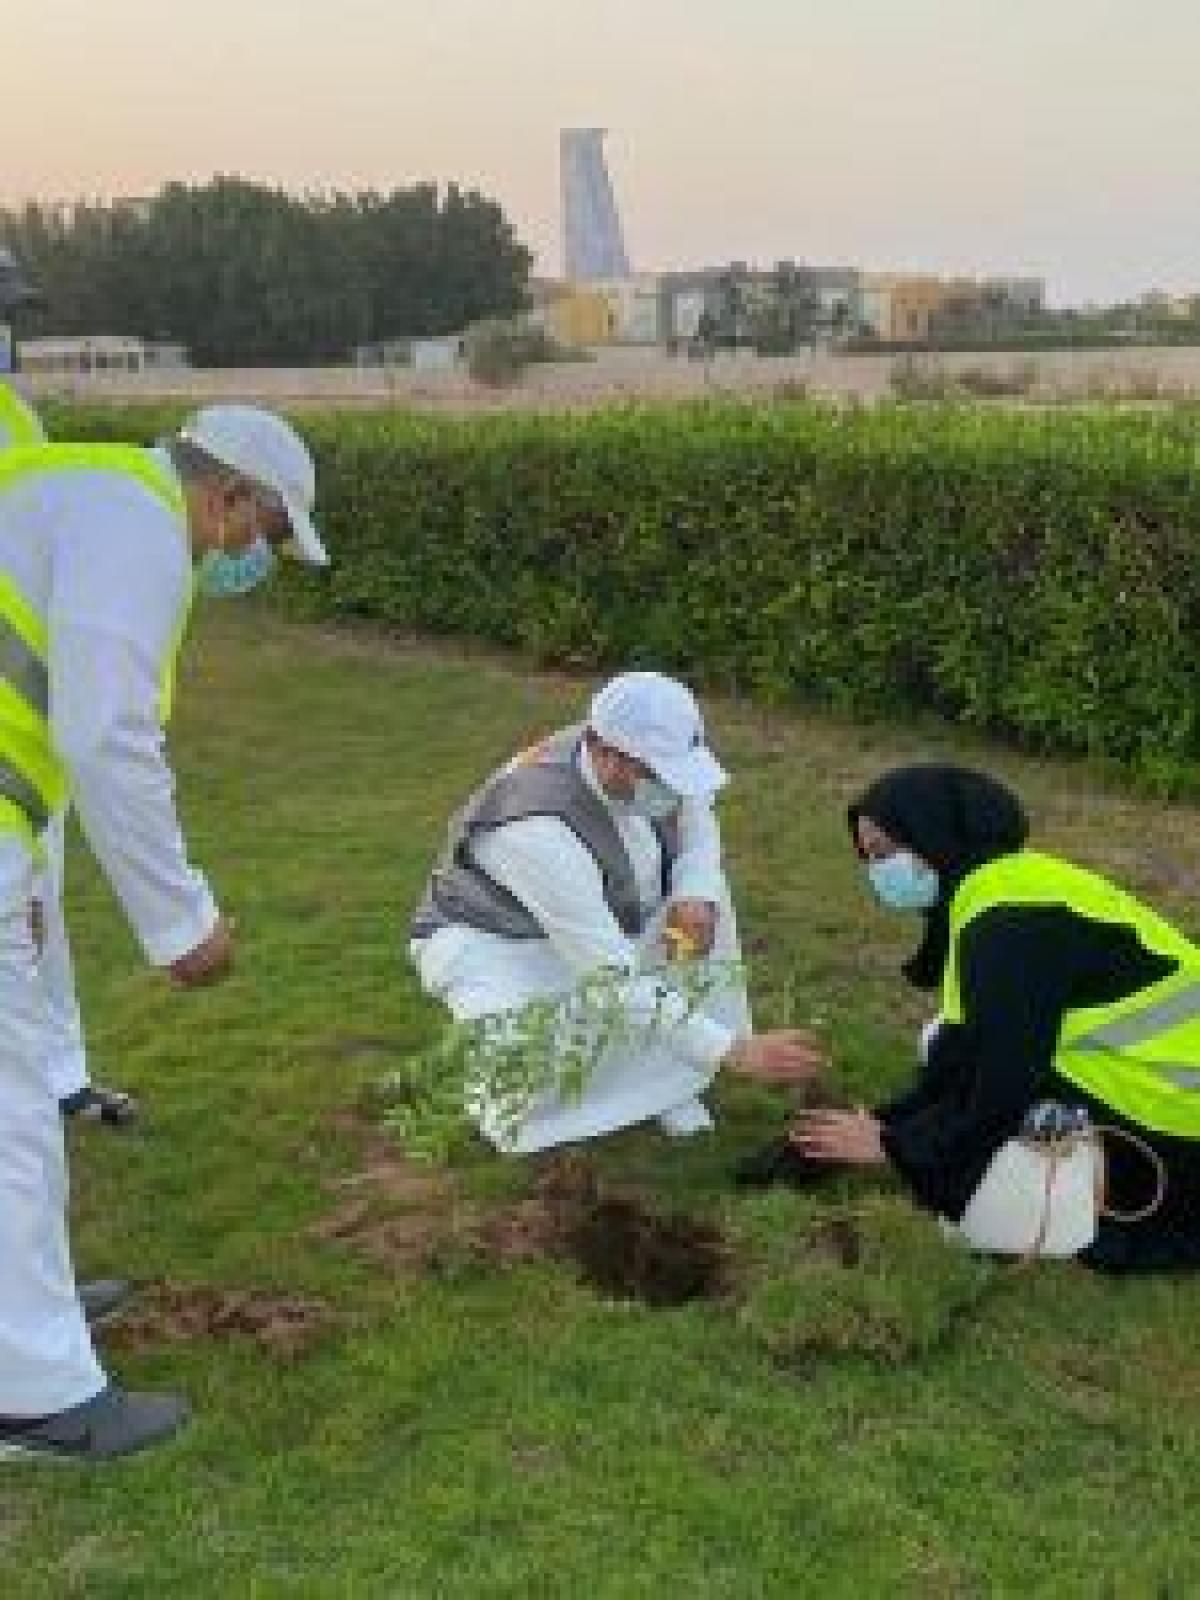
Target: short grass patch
point(404, 1386)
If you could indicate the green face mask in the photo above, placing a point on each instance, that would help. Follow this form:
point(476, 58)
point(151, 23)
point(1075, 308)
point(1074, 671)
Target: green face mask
point(654, 799)
point(223, 573)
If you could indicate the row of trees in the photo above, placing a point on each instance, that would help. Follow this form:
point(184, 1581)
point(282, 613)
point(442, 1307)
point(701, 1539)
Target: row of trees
point(243, 274)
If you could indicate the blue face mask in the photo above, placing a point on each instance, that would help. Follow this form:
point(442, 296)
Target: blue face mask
point(223, 573)
point(653, 799)
point(902, 882)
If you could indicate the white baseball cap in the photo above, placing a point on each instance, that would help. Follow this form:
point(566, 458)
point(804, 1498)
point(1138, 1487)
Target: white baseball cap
point(657, 721)
point(264, 448)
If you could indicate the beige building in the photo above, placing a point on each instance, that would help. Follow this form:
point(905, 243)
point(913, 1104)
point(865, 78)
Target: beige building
point(911, 308)
point(99, 353)
point(897, 307)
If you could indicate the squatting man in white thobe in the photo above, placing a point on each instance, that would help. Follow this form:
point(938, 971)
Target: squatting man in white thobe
point(101, 549)
point(598, 852)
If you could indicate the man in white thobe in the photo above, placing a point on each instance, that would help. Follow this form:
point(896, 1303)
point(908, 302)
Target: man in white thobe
point(66, 1059)
point(100, 549)
point(598, 852)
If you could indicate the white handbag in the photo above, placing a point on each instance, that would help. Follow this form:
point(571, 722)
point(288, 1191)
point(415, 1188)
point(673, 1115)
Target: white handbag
point(1043, 1193)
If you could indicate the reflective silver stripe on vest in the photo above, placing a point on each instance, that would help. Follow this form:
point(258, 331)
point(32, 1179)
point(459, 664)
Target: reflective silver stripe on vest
point(22, 794)
point(24, 669)
point(1156, 1018)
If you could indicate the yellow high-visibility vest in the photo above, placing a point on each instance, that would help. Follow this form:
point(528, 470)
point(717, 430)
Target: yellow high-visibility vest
point(1139, 1054)
point(33, 781)
point(19, 422)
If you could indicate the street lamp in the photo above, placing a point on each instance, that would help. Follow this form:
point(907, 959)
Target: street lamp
point(16, 294)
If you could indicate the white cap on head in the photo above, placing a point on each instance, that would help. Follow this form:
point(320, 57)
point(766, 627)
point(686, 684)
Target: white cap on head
point(264, 448)
point(657, 721)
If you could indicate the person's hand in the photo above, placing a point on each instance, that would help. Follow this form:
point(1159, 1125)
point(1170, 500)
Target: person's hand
point(690, 928)
point(209, 962)
point(789, 1055)
point(849, 1136)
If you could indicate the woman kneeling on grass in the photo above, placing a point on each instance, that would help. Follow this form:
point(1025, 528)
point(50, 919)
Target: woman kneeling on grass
point(1055, 985)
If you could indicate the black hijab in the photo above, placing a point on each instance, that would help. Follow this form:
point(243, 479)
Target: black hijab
point(954, 818)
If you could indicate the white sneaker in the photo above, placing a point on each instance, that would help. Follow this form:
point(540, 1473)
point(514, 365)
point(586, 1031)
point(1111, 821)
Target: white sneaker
point(690, 1116)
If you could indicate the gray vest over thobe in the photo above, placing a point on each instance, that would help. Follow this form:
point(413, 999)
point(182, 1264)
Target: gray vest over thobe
point(548, 784)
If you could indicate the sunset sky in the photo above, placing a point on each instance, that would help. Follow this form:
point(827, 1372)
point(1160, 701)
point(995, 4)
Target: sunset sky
point(1059, 138)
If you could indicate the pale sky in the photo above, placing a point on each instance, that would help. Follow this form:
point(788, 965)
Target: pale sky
point(1059, 138)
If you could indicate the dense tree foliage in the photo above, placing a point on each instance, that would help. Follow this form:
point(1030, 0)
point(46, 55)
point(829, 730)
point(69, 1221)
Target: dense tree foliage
point(243, 274)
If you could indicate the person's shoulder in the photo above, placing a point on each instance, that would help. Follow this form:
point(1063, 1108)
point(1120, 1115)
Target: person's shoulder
point(1022, 939)
point(119, 484)
point(109, 508)
point(542, 838)
point(1015, 919)
point(536, 826)
point(121, 552)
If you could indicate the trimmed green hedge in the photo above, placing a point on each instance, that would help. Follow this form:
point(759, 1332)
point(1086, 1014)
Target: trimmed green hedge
point(1034, 574)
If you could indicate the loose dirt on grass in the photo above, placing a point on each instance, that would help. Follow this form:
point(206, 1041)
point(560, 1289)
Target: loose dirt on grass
point(409, 1218)
point(284, 1326)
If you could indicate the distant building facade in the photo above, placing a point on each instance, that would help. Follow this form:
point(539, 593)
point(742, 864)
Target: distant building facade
point(88, 353)
point(634, 308)
point(738, 302)
point(434, 353)
point(917, 308)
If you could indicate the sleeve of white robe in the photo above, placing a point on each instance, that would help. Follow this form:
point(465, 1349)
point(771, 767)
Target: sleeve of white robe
point(696, 873)
point(115, 607)
point(555, 877)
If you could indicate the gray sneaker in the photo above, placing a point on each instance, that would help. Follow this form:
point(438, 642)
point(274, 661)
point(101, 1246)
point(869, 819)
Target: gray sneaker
point(102, 1298)
point(114, 1423)
point(93, 1103)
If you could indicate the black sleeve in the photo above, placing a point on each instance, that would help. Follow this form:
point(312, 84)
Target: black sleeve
point(1021, 967)
point(943, 1060)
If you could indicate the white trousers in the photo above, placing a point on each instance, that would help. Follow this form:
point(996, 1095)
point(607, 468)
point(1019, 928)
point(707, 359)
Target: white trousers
point(66, 1056)
point(46, 1358)
point(632, 1082)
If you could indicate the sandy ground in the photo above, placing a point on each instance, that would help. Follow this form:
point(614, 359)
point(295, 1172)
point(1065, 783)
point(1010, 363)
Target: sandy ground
point(617, 375)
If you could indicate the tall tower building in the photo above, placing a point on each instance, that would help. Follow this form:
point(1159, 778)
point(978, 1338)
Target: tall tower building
point(591, 229)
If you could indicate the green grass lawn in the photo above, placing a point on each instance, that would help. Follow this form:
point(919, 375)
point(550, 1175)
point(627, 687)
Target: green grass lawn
point(915, 1423)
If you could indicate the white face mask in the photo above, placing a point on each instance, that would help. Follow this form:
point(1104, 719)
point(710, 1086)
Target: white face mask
point(654, 799)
